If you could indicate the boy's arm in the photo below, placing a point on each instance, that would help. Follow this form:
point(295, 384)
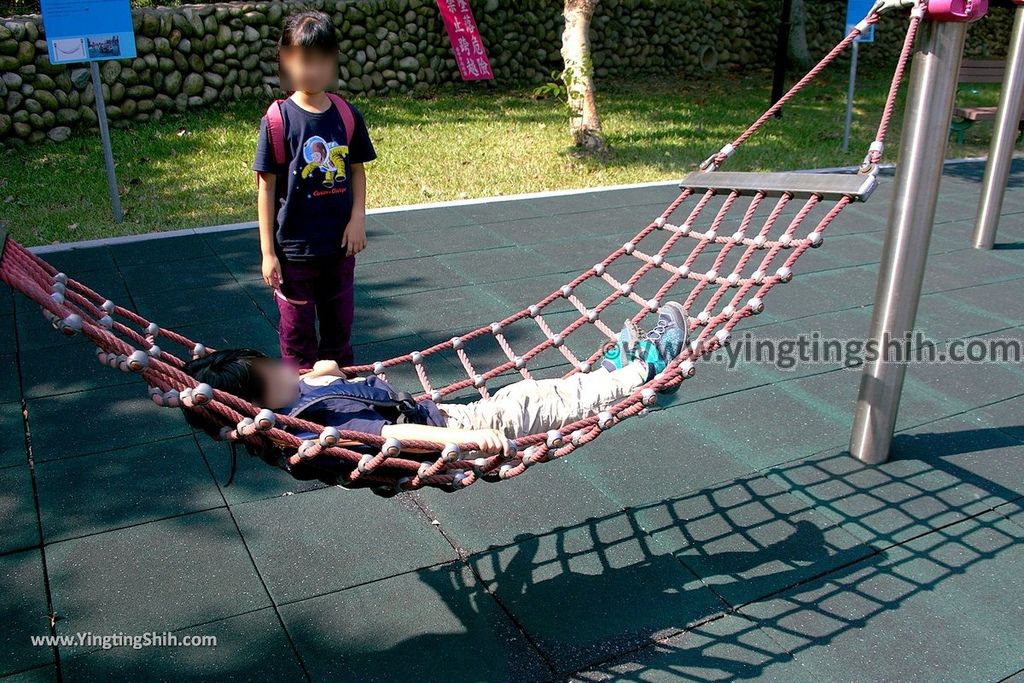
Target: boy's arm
point(354, 239)
point(488, 440)
point(265, 208)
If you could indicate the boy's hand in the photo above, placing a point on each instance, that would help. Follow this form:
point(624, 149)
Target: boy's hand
point(490, 441)
point(272, 271)
point(325, 368)
point(354, 239)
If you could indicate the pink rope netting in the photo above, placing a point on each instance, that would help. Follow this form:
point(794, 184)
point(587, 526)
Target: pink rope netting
point(731, 251)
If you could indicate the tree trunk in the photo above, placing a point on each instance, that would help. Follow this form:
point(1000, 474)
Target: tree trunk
point(584, 121)
point(799, 55)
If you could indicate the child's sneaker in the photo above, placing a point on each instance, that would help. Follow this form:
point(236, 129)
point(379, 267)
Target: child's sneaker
point(666, 341)
point(621, 354)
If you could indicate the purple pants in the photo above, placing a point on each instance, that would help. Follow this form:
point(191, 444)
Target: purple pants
point(318, 290)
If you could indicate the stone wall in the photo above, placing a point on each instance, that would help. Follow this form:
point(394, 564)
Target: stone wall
point(197, 55)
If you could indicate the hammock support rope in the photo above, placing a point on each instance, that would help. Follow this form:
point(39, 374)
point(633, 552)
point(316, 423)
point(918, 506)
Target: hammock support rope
point(747, 231)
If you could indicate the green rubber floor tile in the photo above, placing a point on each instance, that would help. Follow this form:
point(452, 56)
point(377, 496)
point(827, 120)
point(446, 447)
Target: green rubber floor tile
point(913, 493)
point(254, 478)
point(43, 674)
point(95, 493)
point(822, 292)
point(248, 647)
point(253, 332)
point(496, 265)
point(161, 576)
point(459, 308)
point(12, 426)
point(35, 334)
point(10, 382)
point(836, 394)
point(159, 250)
point(303, 545)
point(239, 250)
point(967, 449)
point(658, 457)
point(263, 297)
point(386, 247)
point(551, 495)
point(595, 590)
point(518, 294)
point(730, 648)
point(941, 317)
point(23, 604)
point(1006, 415)
point(455, 240)
point(993, 299)
point(202, 272)
point(407, 276)
point(373, 632)
point(97, 420)
point(175, 308)
point(73, 261)
point(500, 211)
point(407, 221)
point(582, 202)
point(849, 621)
point(971, 384)
point(17, 509)
point(966, 268)
point(8, 331)
point(51, 372)
point(771, 424)
point(749, 538)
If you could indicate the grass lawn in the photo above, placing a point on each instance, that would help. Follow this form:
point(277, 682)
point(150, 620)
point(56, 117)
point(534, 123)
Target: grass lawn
point(193, 169)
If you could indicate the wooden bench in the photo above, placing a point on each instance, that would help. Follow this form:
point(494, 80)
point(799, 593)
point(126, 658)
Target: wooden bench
point(976, 71)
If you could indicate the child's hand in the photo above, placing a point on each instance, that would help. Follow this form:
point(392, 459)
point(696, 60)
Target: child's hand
point(489, 441)
point(354, 239)
point(325, 368)
point(272, 271)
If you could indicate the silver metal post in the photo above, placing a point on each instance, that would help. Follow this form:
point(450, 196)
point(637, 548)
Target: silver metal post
point(850, 94)
point(918, 174)
point(1000, 156)
point(108, 153)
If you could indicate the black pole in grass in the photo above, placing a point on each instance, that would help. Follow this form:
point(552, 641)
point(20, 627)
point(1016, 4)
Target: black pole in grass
point(782, 54)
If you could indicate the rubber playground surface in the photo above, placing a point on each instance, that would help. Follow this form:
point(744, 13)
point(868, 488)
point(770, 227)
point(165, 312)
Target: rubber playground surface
point(727, 535)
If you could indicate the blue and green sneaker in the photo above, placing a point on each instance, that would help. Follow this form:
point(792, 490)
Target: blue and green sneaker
point(665, 341)
point(621, 354)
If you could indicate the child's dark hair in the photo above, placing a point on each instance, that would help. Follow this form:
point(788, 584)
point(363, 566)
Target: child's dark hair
point(310, 30)
point(231, 370)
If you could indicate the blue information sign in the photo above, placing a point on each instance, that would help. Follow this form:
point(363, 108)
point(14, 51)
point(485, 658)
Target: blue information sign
point(856, 10)
point(88, 30)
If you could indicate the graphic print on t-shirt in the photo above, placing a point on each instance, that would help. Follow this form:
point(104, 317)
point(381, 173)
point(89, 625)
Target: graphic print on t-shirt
point(327, 157)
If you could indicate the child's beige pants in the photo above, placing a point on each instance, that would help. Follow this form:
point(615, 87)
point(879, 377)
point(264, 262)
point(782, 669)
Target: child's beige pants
point(534, 406)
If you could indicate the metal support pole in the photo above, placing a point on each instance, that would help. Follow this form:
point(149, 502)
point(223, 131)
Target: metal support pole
point(782, 54)
point(1000, 156)
point(850, 94)
point(108, 153)
point(918, 174)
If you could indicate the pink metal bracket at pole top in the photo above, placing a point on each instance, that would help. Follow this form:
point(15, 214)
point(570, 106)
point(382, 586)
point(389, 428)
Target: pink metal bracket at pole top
point(956, 10)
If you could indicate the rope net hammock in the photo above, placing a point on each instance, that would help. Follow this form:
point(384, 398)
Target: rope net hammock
point(725, 242)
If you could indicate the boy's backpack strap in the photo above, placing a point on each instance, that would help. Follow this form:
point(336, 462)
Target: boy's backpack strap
point(275, 131)
point(347, 117)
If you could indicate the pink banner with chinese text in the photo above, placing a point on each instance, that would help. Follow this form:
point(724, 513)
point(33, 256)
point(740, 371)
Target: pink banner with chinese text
point(466, 43)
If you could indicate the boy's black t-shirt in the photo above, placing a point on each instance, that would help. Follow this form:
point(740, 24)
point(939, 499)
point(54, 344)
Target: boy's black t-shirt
point(314, 188)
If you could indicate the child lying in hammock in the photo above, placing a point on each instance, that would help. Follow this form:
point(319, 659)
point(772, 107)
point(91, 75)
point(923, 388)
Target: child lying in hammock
point(372, 406)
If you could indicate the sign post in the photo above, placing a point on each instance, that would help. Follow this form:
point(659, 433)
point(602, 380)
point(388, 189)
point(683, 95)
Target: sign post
point(92, 31)
point(856, 10)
